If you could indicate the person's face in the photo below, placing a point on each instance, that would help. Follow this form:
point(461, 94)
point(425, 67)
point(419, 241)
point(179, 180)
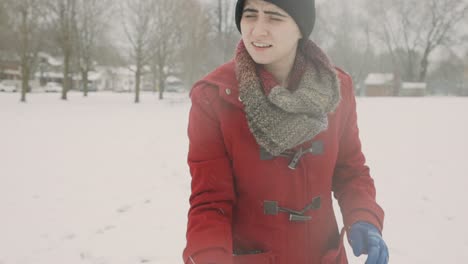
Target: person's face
point(270, 35)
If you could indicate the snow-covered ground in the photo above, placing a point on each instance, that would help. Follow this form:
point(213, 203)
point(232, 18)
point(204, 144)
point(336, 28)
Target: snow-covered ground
point(102, 180)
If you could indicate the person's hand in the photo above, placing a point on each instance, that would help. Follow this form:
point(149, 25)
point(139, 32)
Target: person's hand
point(365, 238)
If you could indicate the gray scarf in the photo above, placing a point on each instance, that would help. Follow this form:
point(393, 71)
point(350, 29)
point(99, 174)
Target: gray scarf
point(283, 119)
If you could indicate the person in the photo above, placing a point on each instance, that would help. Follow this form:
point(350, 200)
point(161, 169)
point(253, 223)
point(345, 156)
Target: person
point(272, 135)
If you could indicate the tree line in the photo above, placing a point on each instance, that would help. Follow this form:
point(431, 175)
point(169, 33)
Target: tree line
point(190, 38)
point(415, 40)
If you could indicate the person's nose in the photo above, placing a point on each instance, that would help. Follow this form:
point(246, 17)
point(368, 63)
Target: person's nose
point(260, 28)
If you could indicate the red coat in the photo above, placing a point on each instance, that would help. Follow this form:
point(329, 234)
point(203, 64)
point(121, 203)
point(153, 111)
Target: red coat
point(230, 184)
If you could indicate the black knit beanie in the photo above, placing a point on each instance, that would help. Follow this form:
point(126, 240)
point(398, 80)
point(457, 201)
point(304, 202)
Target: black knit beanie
point(302, 11)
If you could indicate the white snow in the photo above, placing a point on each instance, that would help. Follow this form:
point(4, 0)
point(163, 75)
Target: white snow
point(103, 180)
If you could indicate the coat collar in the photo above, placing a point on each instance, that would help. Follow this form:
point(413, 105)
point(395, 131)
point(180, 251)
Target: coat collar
point(224, 77)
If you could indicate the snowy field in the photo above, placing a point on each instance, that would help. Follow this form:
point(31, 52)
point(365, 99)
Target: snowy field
point(102, 180)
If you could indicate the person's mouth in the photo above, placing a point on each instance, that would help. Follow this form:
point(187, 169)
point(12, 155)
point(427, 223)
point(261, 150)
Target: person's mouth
point(261, 45)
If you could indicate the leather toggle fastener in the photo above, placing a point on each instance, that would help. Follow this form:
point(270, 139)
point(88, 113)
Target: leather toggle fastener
point(265, 155)
point(272, 208)
point(315, 149)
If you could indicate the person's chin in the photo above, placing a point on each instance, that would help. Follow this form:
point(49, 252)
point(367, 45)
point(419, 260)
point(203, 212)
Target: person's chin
point(261, 59)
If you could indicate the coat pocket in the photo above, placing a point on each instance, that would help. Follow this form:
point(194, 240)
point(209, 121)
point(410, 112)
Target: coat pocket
point(336, 255)
point(260, 258)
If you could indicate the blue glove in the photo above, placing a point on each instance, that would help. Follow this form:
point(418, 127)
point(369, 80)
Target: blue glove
point(365, 238)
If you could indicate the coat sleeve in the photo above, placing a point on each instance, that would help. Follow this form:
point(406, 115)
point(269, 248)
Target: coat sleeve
point(209, 238)
point(353, 186)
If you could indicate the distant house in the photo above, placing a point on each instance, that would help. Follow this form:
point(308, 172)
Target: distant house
point(121, 79)
point(174, 84)
point(49, 76)
point(379, 84)
point(413, 89)
point(11, 72)
point(49, 69)
point(10, 66)
point(94, 81)
point(49, 60)
point(117, 79)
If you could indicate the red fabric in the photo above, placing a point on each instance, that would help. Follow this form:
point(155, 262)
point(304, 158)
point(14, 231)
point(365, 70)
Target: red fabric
point(211, 255)
point(230, 184)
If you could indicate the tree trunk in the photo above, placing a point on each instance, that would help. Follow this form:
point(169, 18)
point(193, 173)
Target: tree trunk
point(220, 17)
point(24, 80)
point(424, 64)
point(410, 74)
point(24, 54)
point(66, 81)
point(137, 84)
point(161, 89)
point(84, 80)
point(162, 78)
point(154, 79)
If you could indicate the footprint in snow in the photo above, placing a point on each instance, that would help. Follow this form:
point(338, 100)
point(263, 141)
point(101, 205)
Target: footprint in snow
point(105, 229)
point(89, 256)
point(124, 209)
point(69, 237)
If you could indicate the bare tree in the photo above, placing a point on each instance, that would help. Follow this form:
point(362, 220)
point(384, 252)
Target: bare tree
point(166, 42)
point(138, 23)
point(4, 15)
point(63, 14)
point(347, 39)
point(447, 77)
point(227, 34)
point(196, 42)
point(90, 23)
point(26, 26)
point(387, 30)
point(223, 33)
point(324, 32)
point(417, 28)
point(443, 16)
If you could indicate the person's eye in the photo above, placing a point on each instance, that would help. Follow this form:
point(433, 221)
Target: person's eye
point(249, 15)
point(276, 19)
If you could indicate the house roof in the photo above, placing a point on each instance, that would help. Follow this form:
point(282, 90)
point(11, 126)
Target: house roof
point(55, 75)
point(93, 76)
point(50, 59)
point(173, 79)
point(123, 71)
point(413, 85)
point(378, 78)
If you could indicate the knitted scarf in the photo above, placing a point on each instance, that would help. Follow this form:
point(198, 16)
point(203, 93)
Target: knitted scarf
point(283, 119)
